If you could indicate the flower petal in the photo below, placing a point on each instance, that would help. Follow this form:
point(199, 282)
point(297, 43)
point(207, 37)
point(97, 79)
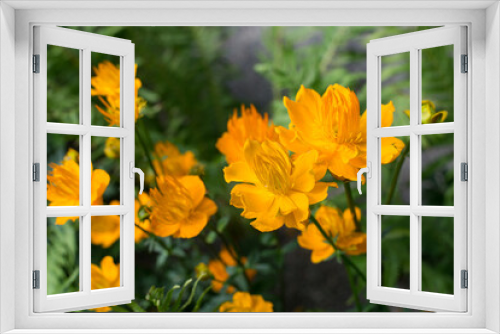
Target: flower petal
point(255, 201)
point(207, 207)
point(322, 254)
point(267, 224)
point(192, 226)
point(195, 186)
point(391, 148)
point(387, 111)
point(240, 172)
point(100, 181)
point(302, 203)
point(303, 177)
point(320, 191)
point(164, 230)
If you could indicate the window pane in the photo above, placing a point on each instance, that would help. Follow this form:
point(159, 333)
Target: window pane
point(437, 169)
point(396, 251)
point(395, 170)
point(63, 85)
point(437, 85)
point(105, 253)
point(63, 255)
point(395, 92)
point(105, 89)
point(437, 254)
point(106, 171)
point(63, 170)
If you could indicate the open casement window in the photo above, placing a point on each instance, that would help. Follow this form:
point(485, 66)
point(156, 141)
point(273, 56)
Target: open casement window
point(72, 194)
point(420, 209)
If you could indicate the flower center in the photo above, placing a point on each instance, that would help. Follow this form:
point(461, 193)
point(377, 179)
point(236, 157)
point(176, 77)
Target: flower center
point(177, 203)
point(273, 172)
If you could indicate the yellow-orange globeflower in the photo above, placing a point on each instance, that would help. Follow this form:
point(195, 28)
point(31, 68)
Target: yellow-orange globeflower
point(106, 85)
point(338, 225)
point(63, 184)
point(332, 125)
point(172, 161)
point(275, 190)
point(245, 302)
point(250, 125)
point(105, 276)
point(218, 269)
point(179, 206)
point(143, 200)
point(101, 309)
point(105, 230)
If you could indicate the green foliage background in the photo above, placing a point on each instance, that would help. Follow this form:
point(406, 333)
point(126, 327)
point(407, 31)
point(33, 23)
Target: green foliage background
point(186, 75)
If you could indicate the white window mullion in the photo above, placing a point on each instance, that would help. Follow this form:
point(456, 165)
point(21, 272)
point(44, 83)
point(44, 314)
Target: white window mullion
point(415, 106)
point(86, 172)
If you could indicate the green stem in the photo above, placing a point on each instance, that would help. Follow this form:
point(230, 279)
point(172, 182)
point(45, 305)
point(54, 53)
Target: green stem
point(350, 203)
point(354, 289)
point(394, 180)
point(146, 151)
point(344, 257)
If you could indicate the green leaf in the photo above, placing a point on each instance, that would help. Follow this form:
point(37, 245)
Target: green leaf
point(178, 301)
point(200, 299)
point(136, 307)
point(191, 296)
point(168, 299)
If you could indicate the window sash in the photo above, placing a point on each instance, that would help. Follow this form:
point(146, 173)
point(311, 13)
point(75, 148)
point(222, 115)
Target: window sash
point(86, 43)
point(413, 43)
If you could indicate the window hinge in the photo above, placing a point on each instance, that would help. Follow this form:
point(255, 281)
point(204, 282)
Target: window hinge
point(465, 64)
point(36, 172)
point(464, 167)
point(36, 279)
point(36, 63)
point(464, 279)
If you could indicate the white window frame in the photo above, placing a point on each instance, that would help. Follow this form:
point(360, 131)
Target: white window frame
point(483, 21)
point(413, 44)
point(85, 43)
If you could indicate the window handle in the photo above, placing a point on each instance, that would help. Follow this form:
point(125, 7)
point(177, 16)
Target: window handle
point(141, 175)
point(368, 171)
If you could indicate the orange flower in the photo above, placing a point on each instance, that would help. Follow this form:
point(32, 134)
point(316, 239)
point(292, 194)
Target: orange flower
point(331, 124)
point(276, 190)
point(219, 272)
point(172, 161)
point(63, 184)
point(251, 125)
point(105, 230)
point(105, 276)
point(218, 269)
point(340, 226)
point(101, 309)
point(245, 302)
point(143, 200)
point(106, 85)
point(179, 207)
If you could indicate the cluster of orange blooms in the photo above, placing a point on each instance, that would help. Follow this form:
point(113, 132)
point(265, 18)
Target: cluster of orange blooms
point(279, 172)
